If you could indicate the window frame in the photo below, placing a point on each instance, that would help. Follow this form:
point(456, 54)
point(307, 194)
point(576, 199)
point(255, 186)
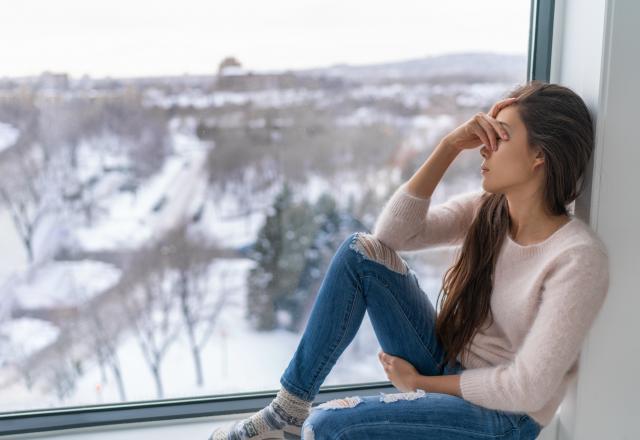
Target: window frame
point(36, 421)
point(540, 40)
point(72, 417)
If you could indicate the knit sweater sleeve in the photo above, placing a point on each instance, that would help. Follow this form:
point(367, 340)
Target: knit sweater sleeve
point(407, 222)
point(572, 294)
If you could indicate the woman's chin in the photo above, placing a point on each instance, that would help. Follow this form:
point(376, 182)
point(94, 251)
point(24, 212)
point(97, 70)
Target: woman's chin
point(488, 187)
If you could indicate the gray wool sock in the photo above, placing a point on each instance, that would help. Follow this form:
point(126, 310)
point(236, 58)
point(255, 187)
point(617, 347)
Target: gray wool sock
point(285, 409)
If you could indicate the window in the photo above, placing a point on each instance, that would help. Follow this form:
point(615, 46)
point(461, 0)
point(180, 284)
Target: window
point(168, 203)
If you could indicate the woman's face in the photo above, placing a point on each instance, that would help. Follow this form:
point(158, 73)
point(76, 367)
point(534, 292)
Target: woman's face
point(513, 164)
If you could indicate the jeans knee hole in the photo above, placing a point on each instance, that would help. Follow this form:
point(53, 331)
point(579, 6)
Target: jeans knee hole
point(412, 395)
point(307, 432)
point(373, 249)
point(347, 402)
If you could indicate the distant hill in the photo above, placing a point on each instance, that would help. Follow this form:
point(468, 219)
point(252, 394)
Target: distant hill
point(471, 66)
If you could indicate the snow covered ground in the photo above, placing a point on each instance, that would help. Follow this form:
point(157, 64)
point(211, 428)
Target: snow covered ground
point(236, 359)
point(8, 135)
point(33, 334)
point(62, 283)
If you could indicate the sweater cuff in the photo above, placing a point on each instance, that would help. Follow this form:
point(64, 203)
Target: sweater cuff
point(407, 207)
point(473, 384)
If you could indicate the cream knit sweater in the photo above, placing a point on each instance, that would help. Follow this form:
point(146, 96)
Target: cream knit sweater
point(545, 298)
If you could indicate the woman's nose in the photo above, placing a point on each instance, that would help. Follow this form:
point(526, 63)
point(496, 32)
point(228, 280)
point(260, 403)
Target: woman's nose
point(484, 151)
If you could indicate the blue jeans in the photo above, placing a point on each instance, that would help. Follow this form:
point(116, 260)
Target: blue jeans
point(403, 318)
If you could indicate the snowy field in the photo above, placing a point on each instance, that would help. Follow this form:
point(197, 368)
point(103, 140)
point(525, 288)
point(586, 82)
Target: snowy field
point(236, 359)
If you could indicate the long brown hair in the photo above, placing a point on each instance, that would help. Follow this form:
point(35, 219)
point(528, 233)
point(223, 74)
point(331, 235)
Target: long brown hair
point(557, 122)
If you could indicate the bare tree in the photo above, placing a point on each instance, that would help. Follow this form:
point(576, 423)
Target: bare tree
point(150, 306)
point(63, 368)
point(199, 306)
point(102, 330)
point(23, 190)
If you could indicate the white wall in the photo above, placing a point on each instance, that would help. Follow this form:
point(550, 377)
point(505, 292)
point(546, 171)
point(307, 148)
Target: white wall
point(597, 54)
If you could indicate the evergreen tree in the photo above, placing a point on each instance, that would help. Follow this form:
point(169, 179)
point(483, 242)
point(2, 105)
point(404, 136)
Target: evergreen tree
point(279, 253)
point(293, 251)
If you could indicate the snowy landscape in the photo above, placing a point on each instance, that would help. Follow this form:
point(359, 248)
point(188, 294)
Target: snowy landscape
point(166, 237)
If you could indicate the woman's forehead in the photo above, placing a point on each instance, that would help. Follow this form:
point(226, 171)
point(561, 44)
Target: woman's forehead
point(509, 115)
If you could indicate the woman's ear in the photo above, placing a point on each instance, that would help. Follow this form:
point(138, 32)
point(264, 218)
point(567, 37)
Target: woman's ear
point(538, 159)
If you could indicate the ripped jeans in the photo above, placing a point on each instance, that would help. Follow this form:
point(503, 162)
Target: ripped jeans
point(365, 275)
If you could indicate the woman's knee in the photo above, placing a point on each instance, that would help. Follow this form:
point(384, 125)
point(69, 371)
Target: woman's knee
point(325, 419)
point(310, 426)
point(371, 248)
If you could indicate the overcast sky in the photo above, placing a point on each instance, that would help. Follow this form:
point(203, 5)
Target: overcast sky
point(163, 37)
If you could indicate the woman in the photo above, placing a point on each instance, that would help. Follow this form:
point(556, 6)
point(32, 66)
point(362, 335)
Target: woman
point(525, 288)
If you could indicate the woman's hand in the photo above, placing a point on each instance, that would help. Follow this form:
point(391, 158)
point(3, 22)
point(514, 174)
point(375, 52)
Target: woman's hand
point(482, 128)
point(401, 373)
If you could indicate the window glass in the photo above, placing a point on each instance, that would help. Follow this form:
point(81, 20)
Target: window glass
point(175, 178)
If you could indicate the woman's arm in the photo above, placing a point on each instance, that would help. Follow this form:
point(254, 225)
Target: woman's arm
point(404, 224)
point(449, 384)
point(404, 216)
point(572, 295)
point(481, 128)
point(405, 377)
point(424, 181)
